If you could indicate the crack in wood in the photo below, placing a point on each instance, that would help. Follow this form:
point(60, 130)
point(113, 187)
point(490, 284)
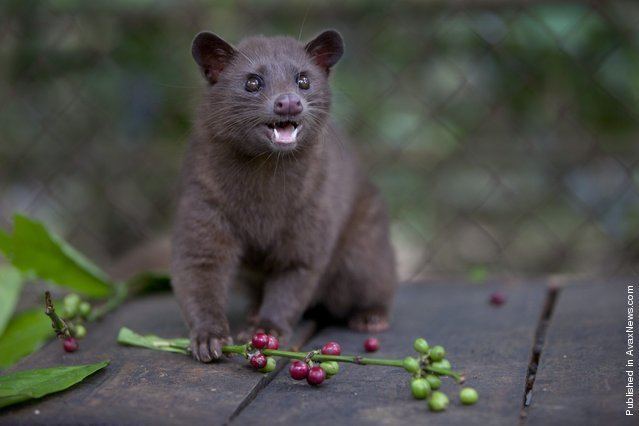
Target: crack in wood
point(253, 394)
point(552, 295)
point(304, 334)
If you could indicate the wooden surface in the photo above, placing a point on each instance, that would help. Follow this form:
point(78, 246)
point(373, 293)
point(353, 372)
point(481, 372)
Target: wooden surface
point(579, 379)
point(139, 386)
point(491, 345)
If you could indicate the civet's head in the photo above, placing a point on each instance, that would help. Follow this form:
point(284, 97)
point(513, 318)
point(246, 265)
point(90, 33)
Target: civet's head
point(268, 93)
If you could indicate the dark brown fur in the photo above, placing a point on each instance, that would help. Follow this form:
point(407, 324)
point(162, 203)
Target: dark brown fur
point(306, 219)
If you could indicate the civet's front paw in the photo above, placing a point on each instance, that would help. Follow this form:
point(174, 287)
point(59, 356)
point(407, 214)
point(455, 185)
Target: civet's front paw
point(206, 344)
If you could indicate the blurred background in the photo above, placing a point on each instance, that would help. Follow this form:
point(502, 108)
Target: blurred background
point(504, 134)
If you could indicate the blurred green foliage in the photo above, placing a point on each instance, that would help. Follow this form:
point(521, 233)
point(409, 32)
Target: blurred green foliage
point(35, 253)
point(504, 137)
point(26, 332)
point(33, 250)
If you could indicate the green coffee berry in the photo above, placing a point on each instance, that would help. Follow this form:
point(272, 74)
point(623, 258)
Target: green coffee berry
point(331, 368)
point(270, 365)
point(84, 309)
point(468, 396)
point(438, 401)
point(444, 364)
point(71, 302)
point(434, 381)
point(421, 345)
point(65, 313)
point(437, 353)
point(420, 388)
point(80, 331)
point(72, 299)
point(411, 364)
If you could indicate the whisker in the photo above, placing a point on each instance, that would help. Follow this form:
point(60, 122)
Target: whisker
point(308, 8)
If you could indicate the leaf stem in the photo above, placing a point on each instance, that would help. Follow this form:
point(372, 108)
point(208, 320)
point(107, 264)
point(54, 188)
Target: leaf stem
point(354, 359)
point(441, 371)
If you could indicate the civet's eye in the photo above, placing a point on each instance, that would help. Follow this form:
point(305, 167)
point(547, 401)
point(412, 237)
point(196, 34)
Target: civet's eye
point(253, 83)
point(303, 82)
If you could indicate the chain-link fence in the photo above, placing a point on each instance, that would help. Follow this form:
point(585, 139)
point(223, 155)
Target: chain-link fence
point(504, 134)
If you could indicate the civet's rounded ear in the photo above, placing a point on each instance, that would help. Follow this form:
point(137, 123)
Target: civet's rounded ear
point(212, 54)
point(326, 49)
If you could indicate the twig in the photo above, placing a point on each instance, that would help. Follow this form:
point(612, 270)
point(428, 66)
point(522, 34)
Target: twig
point(129, 337)
point(61, 328)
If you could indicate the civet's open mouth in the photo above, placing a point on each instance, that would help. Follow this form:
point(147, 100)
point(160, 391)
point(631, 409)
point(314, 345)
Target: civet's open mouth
point(284, 132)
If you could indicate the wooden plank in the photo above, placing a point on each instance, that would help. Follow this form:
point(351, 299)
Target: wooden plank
point(491, 345)
point(581, 379)
point(140, 386)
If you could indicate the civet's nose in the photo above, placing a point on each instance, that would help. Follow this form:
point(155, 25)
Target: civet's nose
point(288, 104)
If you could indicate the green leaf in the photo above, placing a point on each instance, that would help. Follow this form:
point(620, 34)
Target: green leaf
point(5, 243)
point(25, 385)
point(26, 332)
point(129, 337)
point(10, 286)
point(36, 250)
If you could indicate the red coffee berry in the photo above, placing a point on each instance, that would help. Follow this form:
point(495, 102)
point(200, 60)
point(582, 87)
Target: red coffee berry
point(259, 340)
point(70, 344)
point(298, 370)
point(316, 376)
point(497, 298)
point(272, 343)
point(258, 361)
point(331, 348)
point(371, 344)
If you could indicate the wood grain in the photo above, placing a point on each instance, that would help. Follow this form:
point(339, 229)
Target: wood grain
point(581, 377)
point(139, 386)
point(491, 345)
